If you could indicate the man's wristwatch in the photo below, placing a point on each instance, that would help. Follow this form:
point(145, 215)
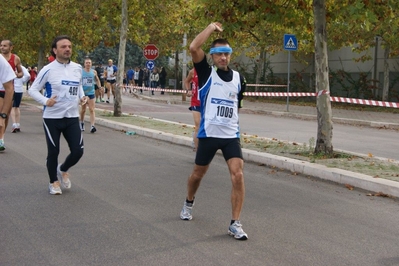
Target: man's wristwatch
point(3, 115)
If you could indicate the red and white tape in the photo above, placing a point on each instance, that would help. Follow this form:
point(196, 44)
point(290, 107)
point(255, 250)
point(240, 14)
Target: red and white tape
point(365, 102)
point(265, 85)
point(152, 89)
point(332, 98)
point(323, 92)
point(290, 94)
point(279, 94)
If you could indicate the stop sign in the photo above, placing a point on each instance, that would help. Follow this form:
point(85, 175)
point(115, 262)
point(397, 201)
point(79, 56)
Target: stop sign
point(150, 52)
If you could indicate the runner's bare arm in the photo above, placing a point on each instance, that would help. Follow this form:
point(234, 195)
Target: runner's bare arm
point(196, 51)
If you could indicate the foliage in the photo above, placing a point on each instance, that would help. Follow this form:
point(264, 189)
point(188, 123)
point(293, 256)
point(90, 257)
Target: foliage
point(39, 21)
point(353, 85)
point(251, 26)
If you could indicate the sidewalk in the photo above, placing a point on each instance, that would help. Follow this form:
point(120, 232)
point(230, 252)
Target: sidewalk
point(341, 116)
point(372, 119)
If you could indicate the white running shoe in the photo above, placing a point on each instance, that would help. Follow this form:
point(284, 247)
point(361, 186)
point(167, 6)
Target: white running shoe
point(54, 188)
point(185, 213)
point(236, 230)
point(63, 177)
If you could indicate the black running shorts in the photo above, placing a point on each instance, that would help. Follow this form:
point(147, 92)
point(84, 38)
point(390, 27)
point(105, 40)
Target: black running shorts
point(207, 148)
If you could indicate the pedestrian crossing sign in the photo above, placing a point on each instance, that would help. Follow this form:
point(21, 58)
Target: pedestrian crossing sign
point(290, 42)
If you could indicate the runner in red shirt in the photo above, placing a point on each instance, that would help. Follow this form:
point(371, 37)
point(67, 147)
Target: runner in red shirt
point(50, 58)
point(191, 84)
point(33, 74)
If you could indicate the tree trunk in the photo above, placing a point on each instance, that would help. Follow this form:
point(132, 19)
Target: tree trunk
point(41, 57)
point(324, 114)
point(260, 67)
point(385, 89)
point(121, 62)
point(42, 60)
point(177, 79)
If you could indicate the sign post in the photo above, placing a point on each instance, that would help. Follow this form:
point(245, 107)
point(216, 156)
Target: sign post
point(290, 44)
point(150, 52)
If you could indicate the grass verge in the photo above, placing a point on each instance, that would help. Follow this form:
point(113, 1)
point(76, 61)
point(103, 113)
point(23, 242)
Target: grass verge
point(369, 165)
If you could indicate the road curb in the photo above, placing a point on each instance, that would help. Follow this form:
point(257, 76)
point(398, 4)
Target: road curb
point(336, 175)
point(166, 100)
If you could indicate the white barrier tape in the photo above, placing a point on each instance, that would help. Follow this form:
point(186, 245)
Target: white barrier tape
point(152, 89)
point(333, 99)
point(365, 102)
point(323, 92)
point(280, 94)
point(285, 94)
point(291, 94)
point(265, 85)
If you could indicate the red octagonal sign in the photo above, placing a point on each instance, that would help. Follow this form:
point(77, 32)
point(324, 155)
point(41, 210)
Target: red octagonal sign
point(150, 52)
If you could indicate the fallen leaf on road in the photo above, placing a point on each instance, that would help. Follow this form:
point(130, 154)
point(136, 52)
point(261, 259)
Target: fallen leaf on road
point(349, 186)
point(379, 194)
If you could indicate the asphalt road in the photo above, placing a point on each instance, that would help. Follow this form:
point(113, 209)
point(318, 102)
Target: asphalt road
point(127, 192)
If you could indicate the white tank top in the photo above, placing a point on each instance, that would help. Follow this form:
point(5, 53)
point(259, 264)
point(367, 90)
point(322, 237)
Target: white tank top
point(219, 107)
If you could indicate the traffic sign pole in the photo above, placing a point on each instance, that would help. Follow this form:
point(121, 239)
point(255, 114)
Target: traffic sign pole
point(288, 80)
point(290, 44)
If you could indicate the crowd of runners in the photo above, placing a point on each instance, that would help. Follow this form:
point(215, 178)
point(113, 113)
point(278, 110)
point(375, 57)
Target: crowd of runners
point(66, 89)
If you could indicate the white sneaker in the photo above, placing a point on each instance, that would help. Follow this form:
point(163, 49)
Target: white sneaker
point(63, 178)
point(186, 212)
point(236, 230)
point(82, 126)
point(54, 188)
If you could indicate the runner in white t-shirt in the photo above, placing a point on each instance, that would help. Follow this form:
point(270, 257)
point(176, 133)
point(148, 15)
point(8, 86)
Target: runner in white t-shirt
point(63, 91)
point(18, 92)
point(7, 76)
point(111, 79)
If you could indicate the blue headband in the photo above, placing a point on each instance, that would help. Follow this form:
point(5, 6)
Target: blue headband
point(221, 49)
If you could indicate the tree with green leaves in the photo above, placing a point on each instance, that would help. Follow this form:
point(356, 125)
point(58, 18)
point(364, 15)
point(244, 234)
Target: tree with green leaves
point(254, 28)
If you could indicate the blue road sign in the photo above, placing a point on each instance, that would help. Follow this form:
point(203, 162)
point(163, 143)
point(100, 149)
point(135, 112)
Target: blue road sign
point(150, 64)
point(290, 42)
